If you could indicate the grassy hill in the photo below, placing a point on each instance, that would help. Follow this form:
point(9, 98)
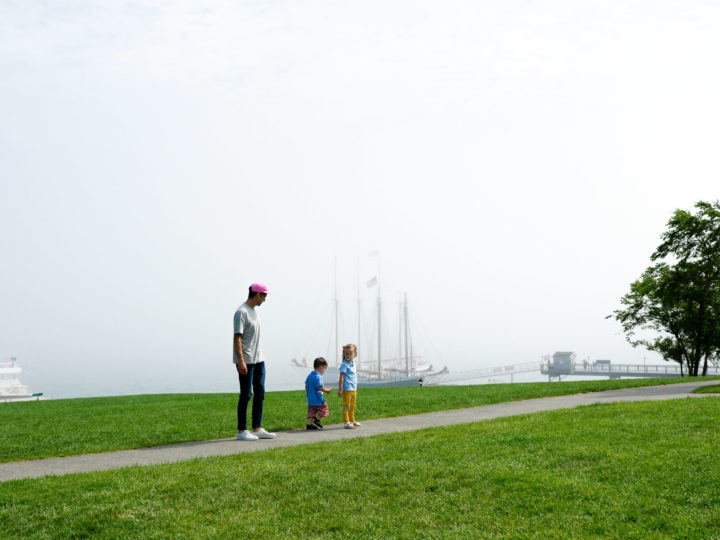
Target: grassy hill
point(76, 426)
point(628, 470)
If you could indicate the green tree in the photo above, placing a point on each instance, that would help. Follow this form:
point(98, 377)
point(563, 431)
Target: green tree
point(674, 308)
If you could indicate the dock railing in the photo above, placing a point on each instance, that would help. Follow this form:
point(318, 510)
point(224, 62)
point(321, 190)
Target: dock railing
point(481, 373)
point(623, 370)
point(587, 369)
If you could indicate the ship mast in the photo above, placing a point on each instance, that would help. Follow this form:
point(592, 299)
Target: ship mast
point(407, 356)
point(337, 343)
point(359, 314)
point(379, 313)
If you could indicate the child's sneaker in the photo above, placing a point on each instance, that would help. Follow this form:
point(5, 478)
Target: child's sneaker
point(349, 425)
point(318, 423)
point(357, 424)
point(311, 426)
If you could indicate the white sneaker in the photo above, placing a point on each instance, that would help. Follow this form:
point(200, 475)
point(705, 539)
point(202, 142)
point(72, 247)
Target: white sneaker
point(246, 436)
point(357, 424)
point(349, 425)
point(262, 434)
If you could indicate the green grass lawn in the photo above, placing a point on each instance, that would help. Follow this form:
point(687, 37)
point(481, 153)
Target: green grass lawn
point(65, 427)
point(711, 389)
point(626, 470)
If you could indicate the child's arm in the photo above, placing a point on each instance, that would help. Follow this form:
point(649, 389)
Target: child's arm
point(325, 390)
point(340, 384)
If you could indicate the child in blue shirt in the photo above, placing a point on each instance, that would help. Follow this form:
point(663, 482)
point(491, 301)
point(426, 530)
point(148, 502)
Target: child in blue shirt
point(315, 391)
point(347, 387)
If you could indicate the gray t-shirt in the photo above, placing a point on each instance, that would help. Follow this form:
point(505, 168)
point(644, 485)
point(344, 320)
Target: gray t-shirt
point(247, 324)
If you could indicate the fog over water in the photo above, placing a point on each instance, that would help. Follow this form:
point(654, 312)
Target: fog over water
point(513, 164)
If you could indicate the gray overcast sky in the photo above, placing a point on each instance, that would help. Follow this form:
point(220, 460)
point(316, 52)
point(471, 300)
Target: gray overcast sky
point(514, 162)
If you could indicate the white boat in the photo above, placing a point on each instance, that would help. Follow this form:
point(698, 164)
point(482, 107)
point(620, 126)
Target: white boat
point(11, 389)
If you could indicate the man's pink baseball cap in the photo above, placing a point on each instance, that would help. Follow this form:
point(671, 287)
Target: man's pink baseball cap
point(259, 287)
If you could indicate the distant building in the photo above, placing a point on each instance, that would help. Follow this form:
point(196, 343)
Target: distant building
point(563, 363)
point(602, 362)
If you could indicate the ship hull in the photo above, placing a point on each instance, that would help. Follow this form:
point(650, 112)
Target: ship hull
point(331, 378)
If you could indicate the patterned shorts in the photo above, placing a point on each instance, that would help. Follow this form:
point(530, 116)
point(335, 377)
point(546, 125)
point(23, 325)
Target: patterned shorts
point(314, 409)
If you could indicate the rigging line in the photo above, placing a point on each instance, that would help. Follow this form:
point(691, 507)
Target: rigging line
point(423, 332)
point(342, 330)
point(318, 336)
point(318, 328)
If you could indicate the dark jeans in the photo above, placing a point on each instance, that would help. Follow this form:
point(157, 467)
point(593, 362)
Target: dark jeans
point(251, 383)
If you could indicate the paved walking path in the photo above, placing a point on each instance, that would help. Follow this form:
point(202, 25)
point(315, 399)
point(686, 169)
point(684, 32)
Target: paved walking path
point(222, 447)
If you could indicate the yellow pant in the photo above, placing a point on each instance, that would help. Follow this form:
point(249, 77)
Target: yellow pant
point(349, 398)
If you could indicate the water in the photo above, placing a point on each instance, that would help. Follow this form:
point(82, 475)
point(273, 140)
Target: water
point(93, 384)
point(218, 379)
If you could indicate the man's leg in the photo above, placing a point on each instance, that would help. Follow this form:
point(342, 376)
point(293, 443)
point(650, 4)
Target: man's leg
point(244, 398)
point(258, 384)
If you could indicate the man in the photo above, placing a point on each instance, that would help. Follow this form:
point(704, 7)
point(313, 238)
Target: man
point(250, 364)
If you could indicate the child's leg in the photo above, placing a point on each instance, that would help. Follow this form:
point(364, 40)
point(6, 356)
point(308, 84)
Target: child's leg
point(351, 406)
point(318, 416)
point(346, 406)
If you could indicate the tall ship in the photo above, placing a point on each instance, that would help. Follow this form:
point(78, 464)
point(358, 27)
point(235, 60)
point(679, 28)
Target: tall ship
point(11, 389)
point(403, 369)
point(372, 373)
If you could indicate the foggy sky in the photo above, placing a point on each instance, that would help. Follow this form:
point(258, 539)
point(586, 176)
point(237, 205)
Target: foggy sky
point(514, 163)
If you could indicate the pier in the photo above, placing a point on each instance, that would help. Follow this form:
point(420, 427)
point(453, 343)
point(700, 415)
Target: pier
point(560, 370)
point(617, 371)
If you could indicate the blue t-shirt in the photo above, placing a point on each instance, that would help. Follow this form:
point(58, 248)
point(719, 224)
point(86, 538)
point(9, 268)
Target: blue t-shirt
point(350, 371)
point(314, 381)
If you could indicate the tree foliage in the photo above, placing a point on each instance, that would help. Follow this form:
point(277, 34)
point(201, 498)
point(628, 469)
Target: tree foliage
point(676, 301)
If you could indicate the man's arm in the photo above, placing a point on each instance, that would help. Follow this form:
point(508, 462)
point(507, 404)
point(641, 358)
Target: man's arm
point(241, 365)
